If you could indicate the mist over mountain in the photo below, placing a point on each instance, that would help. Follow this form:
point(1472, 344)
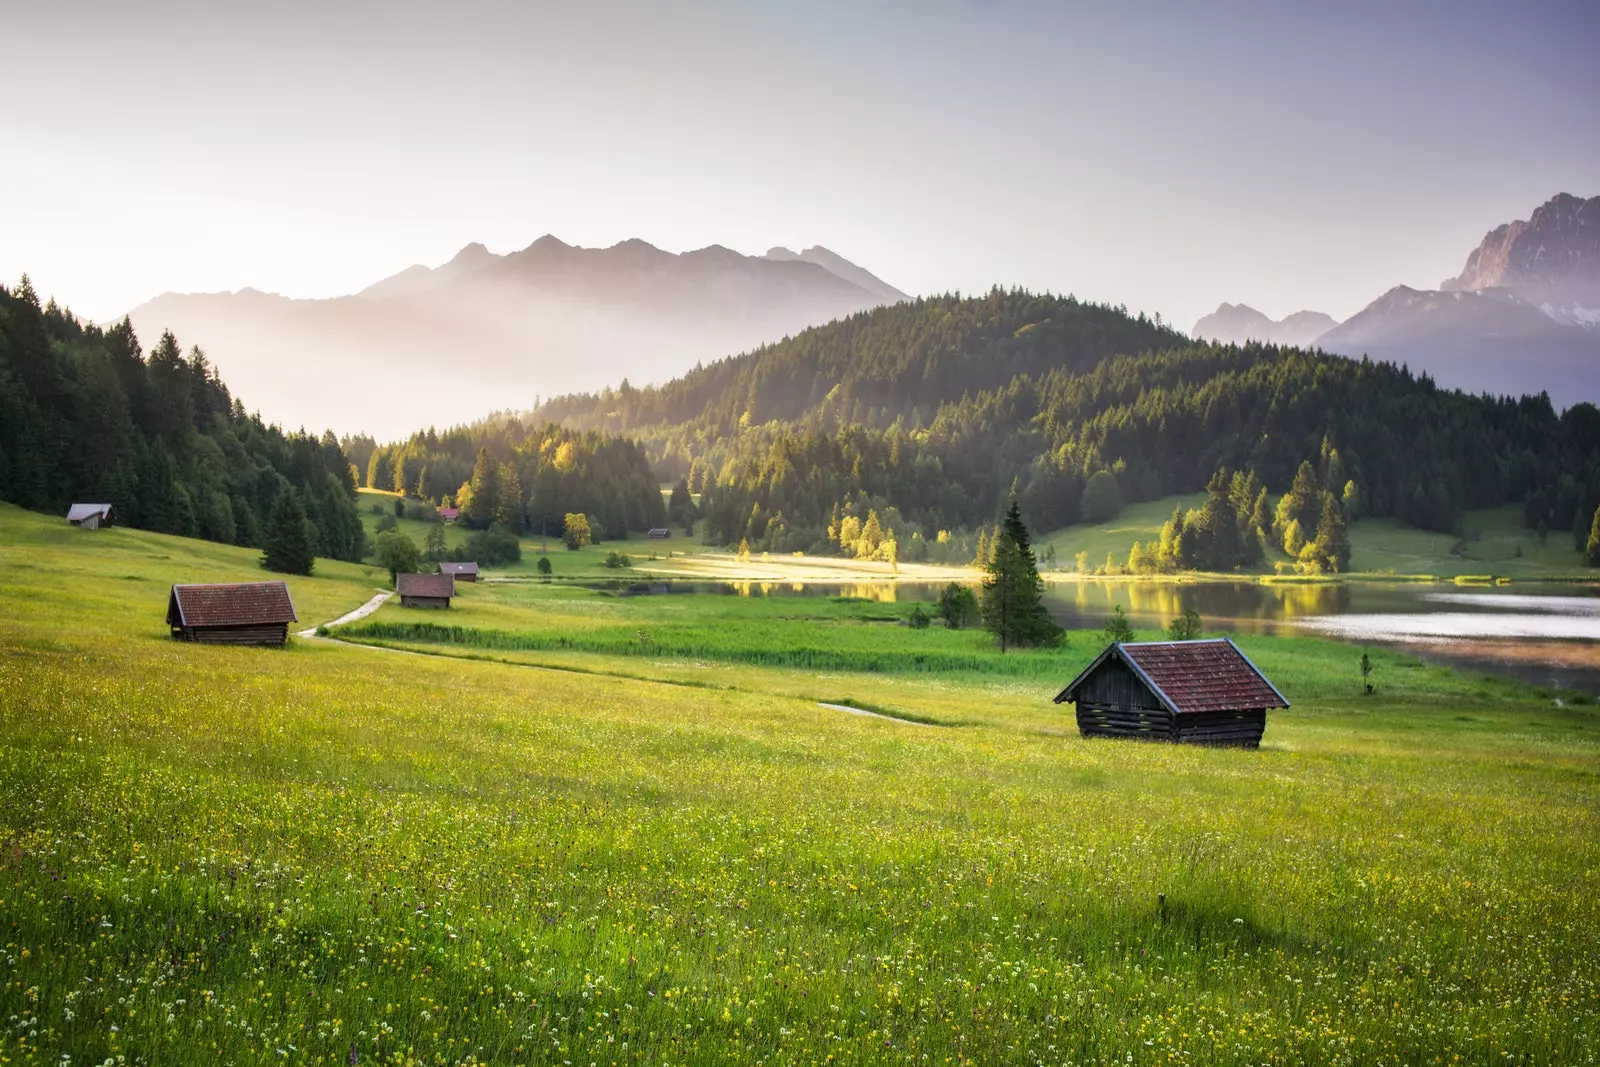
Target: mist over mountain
point(1240, 323)
point(441, 345)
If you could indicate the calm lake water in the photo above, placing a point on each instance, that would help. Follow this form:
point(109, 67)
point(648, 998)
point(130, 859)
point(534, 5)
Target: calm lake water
point(1545, 634)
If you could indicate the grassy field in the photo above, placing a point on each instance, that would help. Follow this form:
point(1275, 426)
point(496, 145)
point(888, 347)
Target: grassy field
point(1493, 542)
point(508, 850)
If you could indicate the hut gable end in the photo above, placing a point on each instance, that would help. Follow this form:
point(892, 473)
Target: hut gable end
point(1205, 692)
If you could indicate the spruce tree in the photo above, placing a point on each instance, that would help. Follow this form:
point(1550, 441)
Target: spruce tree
point(480, 510)
point(290, 547)
point(508, 511)
point(1591, 549)
point(1012, 606)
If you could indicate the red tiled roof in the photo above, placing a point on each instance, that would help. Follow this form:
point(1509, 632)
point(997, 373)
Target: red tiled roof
point(449, 513)
point(425, 585)
point(235, 604)
point(458, 568)
point(1194, 676)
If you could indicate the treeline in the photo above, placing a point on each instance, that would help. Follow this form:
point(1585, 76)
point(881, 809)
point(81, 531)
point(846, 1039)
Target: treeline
point(527, 478)
point(86, 417)
point(930, 413)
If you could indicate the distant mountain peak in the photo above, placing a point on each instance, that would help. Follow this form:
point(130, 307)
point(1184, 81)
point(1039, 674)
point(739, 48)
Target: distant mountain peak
point(838, 266)
point(1238, 323)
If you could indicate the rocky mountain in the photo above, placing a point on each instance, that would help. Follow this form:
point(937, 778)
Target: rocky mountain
point(1551, 260)
point(440, 345)
point(1238, 323)
point(1487, 340)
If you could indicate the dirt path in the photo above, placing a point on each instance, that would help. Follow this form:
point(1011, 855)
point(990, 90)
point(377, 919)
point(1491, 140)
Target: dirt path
point(847, 709)
point(360, 613)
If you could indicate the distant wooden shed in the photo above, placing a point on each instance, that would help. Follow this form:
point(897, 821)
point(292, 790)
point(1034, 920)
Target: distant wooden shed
point(1203, 692)
point(449, 514)
point(461, 572)
point(89, 516)
point(659, 533)
point(239, 613)
point(425, 590)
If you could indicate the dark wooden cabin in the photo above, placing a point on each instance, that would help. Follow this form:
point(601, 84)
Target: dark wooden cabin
point(89, 516)
point(1197, 692)
point(425, 590)
point(240, 613)
point(461, 572)
point(659, 533)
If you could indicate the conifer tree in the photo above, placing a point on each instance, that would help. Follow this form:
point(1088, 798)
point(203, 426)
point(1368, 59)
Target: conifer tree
point(508, 511)
point(1012, 606)
point(1591, 549)
point(290, 539)
point(480, 509)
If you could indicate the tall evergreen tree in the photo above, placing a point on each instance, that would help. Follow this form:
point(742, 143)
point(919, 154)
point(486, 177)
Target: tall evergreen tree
point(508, 510)
point(480, 510)
point(291, 543)
point(1013, 594)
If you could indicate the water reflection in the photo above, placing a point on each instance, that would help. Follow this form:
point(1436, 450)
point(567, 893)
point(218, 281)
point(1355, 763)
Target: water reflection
point(1546, 634)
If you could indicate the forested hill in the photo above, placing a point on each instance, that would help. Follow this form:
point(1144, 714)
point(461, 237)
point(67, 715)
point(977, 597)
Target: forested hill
point(86, 417)
point(928, 414)
point(901, 361)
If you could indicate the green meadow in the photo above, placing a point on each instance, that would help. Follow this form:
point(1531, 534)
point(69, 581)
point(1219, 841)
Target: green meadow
point(560, 825)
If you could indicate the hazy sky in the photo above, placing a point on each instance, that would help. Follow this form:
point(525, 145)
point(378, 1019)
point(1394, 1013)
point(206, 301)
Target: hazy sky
point(1168, 157)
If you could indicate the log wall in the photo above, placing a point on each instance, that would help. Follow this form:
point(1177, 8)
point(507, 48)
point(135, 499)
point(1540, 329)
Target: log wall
point(272, 634)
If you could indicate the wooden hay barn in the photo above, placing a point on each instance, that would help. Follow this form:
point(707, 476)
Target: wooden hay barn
point(449, 514)
point(461, 572)
point(240, 613)
point(1197, 692)
point(425, 590)
point(659, 533)
point(89, 516)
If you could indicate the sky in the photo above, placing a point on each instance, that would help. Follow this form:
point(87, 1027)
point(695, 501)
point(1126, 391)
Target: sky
point(1164, 156)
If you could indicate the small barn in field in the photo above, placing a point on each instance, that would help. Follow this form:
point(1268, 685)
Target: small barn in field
point(425, 590)
point(449, 514)
point(659, 533)
point(89, 516)
point(461, 572)
point(1198, 692)
point(238, 613)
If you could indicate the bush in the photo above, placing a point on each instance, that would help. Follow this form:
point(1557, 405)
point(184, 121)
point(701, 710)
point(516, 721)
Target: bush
point(1186, 627)
point(615, 560)
point(544, 565)
point(957, 606)
point(385, 524)
point(496, 546)
point(1117, 628)
point(1102, 497)
point(396, 553)
point(918, 619)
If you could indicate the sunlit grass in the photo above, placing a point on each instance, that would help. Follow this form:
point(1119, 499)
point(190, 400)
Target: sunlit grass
point(213, 855)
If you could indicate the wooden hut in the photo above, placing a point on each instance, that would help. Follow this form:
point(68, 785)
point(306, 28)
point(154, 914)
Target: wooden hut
point(89, 516)
point(240, 613)
point(1197, 692)
point(659, 533)
point(461, 572)
point(449, 514)
point(425, 590)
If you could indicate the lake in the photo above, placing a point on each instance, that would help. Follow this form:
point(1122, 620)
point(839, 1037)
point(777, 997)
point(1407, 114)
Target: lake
point(1544, 633)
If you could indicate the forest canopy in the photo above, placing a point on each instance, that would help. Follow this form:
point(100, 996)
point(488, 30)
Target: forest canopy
point(86, 416)
point(929, 413)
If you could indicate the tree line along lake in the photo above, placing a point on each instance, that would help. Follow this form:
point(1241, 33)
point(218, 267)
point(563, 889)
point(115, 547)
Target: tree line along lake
point(1545, 633)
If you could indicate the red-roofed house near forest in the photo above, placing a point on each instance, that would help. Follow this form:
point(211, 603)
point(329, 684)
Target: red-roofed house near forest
point(238, 613)
point(1199, 692)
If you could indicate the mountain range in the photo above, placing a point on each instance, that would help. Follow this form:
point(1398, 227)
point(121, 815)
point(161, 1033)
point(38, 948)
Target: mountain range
point(1523, 314)
point(441, 345)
